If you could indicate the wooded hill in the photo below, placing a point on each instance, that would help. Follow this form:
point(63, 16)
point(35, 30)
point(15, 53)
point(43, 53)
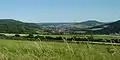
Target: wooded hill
point(14, 26)
point(108, 28)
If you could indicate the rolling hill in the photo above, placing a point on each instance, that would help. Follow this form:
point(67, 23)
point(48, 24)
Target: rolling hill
point(89, 23)
point(14, 26)
point(86, 24)
point(113, 27)
point(70, 27)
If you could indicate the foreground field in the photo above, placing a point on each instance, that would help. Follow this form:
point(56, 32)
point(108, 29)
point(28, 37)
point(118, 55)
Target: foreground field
point(37, 50)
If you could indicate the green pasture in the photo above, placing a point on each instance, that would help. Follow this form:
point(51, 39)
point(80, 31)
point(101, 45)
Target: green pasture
point(39, 50)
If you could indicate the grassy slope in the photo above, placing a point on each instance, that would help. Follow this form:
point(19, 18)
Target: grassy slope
point(29, 50)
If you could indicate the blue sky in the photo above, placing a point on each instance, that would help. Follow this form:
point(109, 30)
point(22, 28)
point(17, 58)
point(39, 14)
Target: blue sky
point(60, 10)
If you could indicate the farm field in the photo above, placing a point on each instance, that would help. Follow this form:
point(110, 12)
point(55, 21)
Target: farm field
point(69, 36)
point(39, 50)
point(94, 36)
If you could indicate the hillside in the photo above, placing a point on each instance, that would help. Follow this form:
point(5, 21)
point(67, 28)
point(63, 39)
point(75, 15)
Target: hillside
point(14, 26)
point(113, 27)
point(86, 24)
point(89, 23)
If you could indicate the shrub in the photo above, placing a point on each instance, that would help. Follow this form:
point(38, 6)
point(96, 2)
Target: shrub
point(90, 38)
point(48, 37)
point(59, 38)
point(17, 35)
point(2, 35)
point(31, 36)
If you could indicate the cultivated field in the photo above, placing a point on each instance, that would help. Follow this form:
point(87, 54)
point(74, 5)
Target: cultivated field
point(94, 36)
point(69, 36)
point(38, 50)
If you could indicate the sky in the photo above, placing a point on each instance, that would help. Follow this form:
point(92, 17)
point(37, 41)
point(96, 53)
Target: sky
point(39, 11)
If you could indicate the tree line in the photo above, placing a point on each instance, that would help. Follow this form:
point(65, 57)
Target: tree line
point(31, 37)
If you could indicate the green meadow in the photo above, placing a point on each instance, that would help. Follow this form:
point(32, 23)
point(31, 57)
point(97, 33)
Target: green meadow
point(39, 50)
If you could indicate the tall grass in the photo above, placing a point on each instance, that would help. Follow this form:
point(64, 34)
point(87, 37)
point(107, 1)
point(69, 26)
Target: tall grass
point(39, 50)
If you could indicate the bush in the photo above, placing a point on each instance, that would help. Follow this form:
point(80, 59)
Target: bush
point(17, 35)
point(2, 35)
point(59, 38)
point(90, 38)
point(48, 37)
point(31, 36)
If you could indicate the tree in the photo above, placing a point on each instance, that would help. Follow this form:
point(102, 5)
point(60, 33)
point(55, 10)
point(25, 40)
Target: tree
point(17, 35)
point(90, 38)
point(30, 36)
